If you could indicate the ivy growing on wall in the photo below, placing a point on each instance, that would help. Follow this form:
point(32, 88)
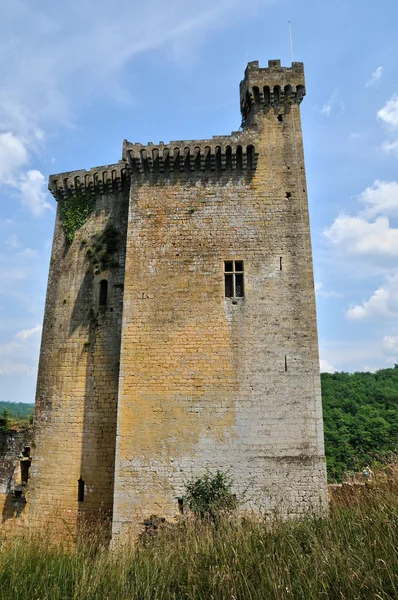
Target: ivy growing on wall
point(74, 211)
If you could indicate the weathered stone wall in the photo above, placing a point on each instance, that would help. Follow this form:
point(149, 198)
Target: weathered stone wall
point(76, 402)
point(207, 381)
point(12, 492)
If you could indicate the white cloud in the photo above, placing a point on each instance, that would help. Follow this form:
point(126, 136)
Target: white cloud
point(13, 155)
point(49, 50)
point(383, 304)
point(390, 344)
point(24, 334)
point(390, 147)
point(368, 238)
point(28, 253)
point(380, 198)
point(13, 368)
point(334, 103)
point(46, 54)
point(14, 243)
point(32, 187)
point(326, 367)
point(375, 78)
point(389, 113)
point(358, 238)
point(325, 293)
point(353, 354)
point(20, 355)
point(369, 369)
point(389, 116)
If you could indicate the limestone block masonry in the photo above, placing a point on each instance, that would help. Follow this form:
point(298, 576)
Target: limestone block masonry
point(159, 358)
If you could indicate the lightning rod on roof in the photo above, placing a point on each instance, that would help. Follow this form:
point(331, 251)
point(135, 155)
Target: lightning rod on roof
point(290, 37)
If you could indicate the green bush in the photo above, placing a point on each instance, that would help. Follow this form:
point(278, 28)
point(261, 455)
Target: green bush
point(210, 495)
point(5, 418)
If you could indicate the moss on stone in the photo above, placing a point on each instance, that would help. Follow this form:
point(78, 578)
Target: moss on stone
point(74, 211)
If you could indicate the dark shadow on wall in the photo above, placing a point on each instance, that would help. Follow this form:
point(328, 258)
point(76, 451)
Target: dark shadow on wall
point(83, 305)
point(14, 505)
point(102, 318)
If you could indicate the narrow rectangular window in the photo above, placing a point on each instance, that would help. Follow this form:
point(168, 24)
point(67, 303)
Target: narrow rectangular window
point(103, 292)
point(80, 490)
point(181, 505)
point(233, 278)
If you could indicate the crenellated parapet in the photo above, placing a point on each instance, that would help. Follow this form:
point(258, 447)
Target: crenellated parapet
point(262, 88)
point(274, 86)
point(106, 179)
point(221, 153)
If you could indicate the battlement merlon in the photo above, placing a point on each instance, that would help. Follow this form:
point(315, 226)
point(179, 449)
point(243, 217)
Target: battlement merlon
point(104, 179)
point(233, 152)
point(271, 86)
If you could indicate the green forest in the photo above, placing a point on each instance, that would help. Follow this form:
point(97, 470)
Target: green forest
point(17, 410)
point(360, 412)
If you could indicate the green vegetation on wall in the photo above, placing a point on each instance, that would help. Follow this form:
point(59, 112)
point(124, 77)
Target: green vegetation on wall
point(74, 211)
point(360, 412)
point(211, 495)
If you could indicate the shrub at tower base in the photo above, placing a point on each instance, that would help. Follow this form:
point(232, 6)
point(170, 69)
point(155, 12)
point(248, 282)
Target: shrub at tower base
point(350, 554)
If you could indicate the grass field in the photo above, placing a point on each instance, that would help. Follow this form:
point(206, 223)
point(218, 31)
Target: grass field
point(350, 554)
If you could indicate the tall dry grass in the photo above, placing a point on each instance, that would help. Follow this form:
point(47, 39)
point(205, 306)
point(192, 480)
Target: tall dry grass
point(351, 554)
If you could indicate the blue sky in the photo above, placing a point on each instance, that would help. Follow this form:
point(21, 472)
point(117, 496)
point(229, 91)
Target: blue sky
point(77, 78)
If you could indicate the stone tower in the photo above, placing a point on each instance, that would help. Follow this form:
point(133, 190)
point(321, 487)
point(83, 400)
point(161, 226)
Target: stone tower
point(180, 328)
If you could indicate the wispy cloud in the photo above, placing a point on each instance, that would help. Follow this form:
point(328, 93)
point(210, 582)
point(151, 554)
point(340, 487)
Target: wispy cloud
point(24, 334)
point(375, 77)
point(388, 115)
point(13, 155)
point(390, 345)
point(19, 355)
point(326, 367)
point(32, 188)
point(333, 104)
point(320, 291)
point(54, 59)
point(49, 51)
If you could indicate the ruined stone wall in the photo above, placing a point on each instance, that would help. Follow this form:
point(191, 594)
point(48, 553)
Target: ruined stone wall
point(12, 490)
point(76, 401)
point(208, 381)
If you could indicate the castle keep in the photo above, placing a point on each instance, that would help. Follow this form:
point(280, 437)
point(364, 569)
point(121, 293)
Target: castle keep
point(180, 329)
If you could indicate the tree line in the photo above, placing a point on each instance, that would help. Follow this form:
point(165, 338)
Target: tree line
point(360, 412)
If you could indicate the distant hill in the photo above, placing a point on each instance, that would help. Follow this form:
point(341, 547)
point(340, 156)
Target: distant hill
point(17, 410)
point(360, 413)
